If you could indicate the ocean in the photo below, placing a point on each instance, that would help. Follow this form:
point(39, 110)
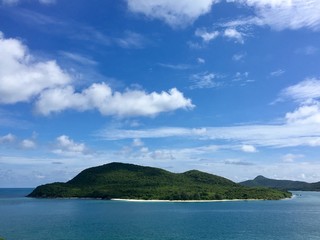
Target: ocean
point(74, 219)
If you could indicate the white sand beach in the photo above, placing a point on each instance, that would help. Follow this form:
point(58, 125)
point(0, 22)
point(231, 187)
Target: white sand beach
point(187, 201)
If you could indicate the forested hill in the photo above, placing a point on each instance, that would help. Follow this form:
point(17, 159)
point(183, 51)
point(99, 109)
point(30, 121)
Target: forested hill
point(128, 181)
point(261, 181)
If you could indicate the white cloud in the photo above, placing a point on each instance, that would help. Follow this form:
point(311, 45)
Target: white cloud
point(304, 91)
point(299, 127)
point(67, 147)
point(265, 3)
point(201, 60)
point(28, 144)
point(306, 114)
point(205, 35)
point(228, 32)
point(144, 150)
point(100, 97)
point(237, 162)
point(175, 153)
point(275, 136)
point(277, 73)
point(282, 14)
point(22, 76)
point(78, 58)
point(241, 76)
point(233, 33)
point(117, 134)
point(204, 80)
point(131, 40)
point(174, 13)
point(175, 66)
point(306, 94)
point(291, 157)
point(12, 139)
point(137, 142)
point(248, 148)
point(9, 138)
point(238, 57)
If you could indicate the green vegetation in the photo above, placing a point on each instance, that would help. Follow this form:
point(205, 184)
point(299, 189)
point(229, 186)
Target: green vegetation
point(261, 181)
point(128, 181)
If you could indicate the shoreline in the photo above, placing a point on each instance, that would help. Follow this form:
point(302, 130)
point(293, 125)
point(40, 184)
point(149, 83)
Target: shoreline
point(159, 200)
point(184, 201)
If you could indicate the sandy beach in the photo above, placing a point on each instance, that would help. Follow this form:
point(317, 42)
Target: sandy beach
point(187, 201)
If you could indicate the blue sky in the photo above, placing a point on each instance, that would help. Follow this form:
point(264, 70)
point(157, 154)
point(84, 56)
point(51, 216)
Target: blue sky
point(230, 87)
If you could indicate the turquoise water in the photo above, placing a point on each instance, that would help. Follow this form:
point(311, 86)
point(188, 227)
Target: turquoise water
point(56, 219)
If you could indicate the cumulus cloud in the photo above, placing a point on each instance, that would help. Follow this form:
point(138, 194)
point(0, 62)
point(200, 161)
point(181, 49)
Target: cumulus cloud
point(307, 94)
point(233, 33)
point(229, 32)
point(22, 76)
point(101, 97)
point(205, 35)
point(67, 147)
point(174, 13)
point(306, 114)
point(299, 127)
point(248, 148)
point(9, 138)
point(28, 144)
point(241, 76)
point(278, 14)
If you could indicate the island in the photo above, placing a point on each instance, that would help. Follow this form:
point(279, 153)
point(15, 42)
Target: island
point(261, 181)
point(129, 181)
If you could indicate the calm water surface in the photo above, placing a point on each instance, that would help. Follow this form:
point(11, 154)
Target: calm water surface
point(56, 219)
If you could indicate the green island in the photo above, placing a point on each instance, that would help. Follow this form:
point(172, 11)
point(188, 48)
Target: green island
point(261, 181)
point(128, 181)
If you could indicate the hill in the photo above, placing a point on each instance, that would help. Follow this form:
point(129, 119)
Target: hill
point(261, 181)
point(128, 181)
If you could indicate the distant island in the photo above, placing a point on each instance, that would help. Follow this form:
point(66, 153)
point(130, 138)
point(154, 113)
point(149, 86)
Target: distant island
point(128, 181)
point(261, 181)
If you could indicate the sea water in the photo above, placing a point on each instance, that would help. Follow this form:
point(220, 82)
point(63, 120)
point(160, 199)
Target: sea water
point(74, 219)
